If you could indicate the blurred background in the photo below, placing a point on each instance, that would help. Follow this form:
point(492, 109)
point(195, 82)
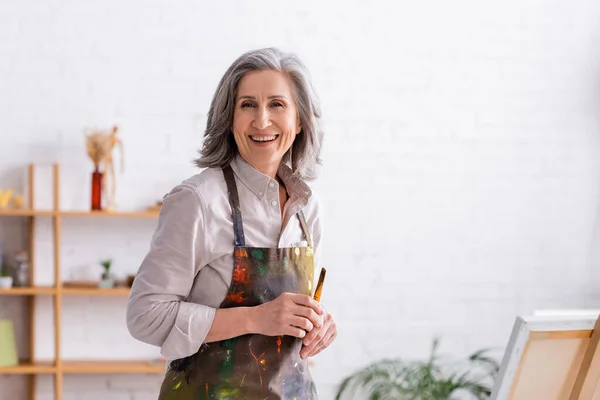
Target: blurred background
point(460, 181)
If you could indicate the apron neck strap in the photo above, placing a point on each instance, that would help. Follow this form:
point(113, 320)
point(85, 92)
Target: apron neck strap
point(304, 228)
point(234, 202)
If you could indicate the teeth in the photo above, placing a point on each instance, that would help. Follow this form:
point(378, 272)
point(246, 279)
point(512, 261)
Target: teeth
point(263, 138)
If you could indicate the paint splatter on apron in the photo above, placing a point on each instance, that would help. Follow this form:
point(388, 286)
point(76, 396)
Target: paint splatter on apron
point(251, 367)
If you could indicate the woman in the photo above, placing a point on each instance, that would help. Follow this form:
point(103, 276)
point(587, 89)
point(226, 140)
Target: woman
point(225, 289)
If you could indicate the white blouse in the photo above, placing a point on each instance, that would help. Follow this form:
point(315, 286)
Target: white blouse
point(187, 272)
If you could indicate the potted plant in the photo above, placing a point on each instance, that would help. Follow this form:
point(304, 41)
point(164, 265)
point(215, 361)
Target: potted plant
point(422, 380)
point(106, 280)
point(6, 279)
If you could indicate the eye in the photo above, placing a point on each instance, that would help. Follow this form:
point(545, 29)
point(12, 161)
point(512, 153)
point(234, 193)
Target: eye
point(277, 104)
point(247, 104)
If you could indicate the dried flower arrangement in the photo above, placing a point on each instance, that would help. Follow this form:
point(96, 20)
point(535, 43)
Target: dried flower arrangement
point(99, 146)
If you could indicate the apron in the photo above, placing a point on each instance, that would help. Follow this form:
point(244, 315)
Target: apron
point(251, 367)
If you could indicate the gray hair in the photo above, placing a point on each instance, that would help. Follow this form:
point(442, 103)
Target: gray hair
point(219, 146)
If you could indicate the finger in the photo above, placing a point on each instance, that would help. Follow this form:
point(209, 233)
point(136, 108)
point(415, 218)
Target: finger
point(305, 351)
point(317, 351)
point(313, 336)
point(294, 331)
point(307, 301)
point(323, 344)
point(321, 334)
point(310, 336)
point(302, 323)
point(312, 342)
point(311, 349)
point(309, 313)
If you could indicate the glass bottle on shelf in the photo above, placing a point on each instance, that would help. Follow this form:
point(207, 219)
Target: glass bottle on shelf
point(97, 189)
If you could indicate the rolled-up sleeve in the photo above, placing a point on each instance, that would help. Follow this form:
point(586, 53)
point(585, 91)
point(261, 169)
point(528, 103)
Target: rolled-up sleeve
point(157, 311)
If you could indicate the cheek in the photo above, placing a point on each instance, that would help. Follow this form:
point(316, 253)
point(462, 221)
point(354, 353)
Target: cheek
point(240, 122)
point(291, 124)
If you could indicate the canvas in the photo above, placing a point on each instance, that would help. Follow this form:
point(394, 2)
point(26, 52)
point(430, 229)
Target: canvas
point(551, 355)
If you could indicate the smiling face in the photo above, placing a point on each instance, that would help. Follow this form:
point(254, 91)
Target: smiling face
point(265, 120)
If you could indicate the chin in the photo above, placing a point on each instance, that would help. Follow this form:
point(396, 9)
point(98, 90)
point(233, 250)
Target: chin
point(265, 157)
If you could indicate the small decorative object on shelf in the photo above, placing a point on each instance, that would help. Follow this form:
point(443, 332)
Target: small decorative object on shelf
point(8, 345)
point(18, 202)
point(96, 189)
point(107, 281)
point(9, 199)
point(80, 284)
point(99, 148)
point(156, 207)
point(21, 269)
point(6, 279)
point(129, 280)
point(5, 196)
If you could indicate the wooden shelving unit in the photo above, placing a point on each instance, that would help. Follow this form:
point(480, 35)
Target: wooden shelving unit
point(58, 367)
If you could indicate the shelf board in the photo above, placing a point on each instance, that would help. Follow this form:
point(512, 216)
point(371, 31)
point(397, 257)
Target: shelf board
point(32, 290)
point(52, 213)
point(67, 291)
point(27, 368)
point(113, 366)
point(26, 212)
point(74, 291)
point(110, 214)
point(87, 367)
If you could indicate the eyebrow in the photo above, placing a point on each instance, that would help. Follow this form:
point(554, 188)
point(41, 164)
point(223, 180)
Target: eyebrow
point(270, 97)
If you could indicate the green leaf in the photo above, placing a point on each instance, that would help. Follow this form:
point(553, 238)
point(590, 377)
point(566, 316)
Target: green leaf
point(422, 380)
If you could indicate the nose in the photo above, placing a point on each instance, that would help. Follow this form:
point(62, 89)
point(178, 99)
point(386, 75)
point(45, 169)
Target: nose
point(263, 118)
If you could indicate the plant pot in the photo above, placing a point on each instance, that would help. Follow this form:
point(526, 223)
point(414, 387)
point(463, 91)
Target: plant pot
point(6, 282)
point(106, 284)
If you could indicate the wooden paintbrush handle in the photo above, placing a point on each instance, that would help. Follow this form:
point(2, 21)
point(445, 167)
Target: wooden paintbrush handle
point(319, 288)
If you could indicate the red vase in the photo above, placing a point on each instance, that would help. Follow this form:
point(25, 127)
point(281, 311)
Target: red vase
point(96, 190)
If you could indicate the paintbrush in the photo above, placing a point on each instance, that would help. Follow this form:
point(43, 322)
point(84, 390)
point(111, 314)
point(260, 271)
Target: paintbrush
point(319, 288)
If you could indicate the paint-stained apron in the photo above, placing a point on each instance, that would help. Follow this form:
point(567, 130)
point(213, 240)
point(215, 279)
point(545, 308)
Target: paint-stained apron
point(251, 367)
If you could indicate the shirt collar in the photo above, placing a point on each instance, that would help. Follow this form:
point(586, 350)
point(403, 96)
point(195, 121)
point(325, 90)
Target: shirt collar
point(257, 182)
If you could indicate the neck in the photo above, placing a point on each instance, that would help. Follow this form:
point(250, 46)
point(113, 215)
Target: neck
point(269, 169)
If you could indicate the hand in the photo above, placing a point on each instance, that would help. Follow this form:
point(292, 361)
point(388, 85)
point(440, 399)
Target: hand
point(320, 338)
point(290, 314)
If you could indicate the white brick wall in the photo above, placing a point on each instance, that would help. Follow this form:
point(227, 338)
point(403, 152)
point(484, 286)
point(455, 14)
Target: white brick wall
point(461, 161)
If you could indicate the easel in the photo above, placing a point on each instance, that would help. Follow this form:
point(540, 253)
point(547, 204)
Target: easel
point(551, 356)
point(589, 371)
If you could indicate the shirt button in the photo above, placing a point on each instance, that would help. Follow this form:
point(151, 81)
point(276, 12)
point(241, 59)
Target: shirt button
point(272, 184)
point(273, 203)
point(260, 193)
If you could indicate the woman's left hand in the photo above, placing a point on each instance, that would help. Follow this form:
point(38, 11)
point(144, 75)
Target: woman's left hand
point(319, 338)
